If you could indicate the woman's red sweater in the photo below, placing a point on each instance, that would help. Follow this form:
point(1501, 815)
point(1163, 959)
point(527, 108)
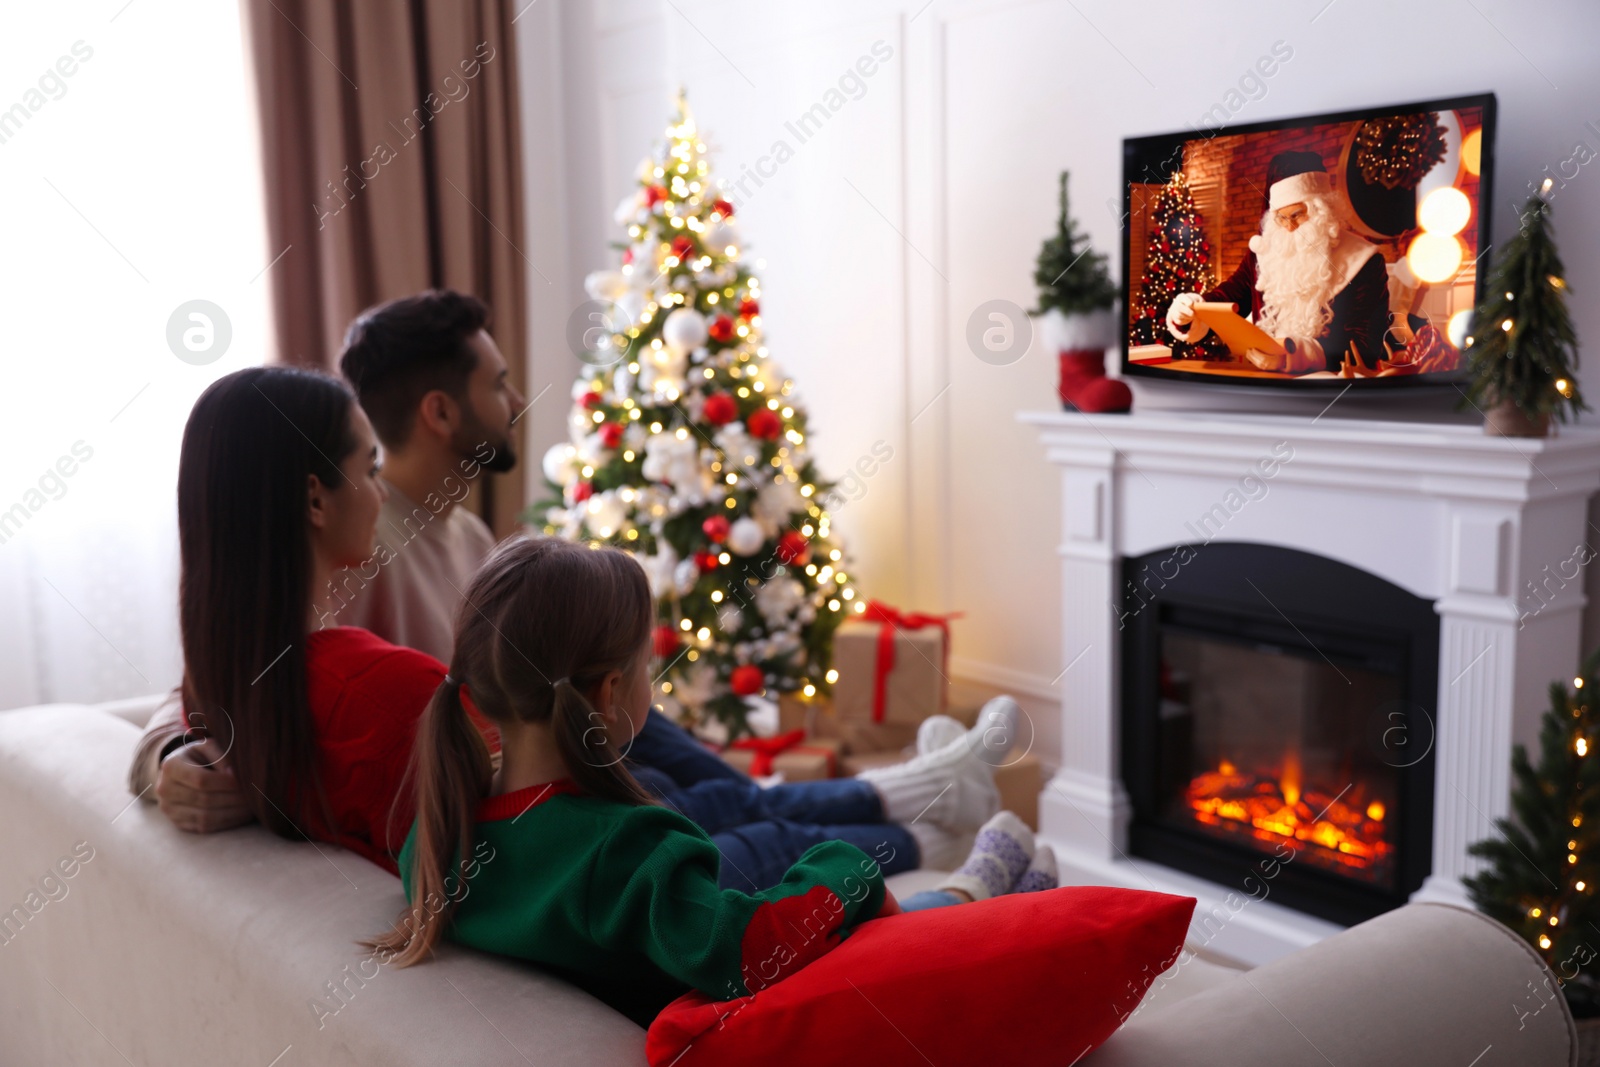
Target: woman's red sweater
point(366, 697)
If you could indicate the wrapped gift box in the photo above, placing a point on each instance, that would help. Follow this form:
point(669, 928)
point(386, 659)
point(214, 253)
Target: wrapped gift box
point(1020, 780)
point(819, 718)
point(807, 760)
point(914, 687)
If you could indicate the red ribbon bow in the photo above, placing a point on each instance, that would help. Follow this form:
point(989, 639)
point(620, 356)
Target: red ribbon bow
point(894, 619)
point(765, 749)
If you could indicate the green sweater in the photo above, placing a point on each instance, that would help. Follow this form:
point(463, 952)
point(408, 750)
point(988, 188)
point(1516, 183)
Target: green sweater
point(623, 901)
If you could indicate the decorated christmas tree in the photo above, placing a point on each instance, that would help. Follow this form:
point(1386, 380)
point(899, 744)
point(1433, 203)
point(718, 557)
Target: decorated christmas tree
point(1071, 276)
point(1177, 260)
point(1523, 351)
point(1544, 864)
point(689, 449)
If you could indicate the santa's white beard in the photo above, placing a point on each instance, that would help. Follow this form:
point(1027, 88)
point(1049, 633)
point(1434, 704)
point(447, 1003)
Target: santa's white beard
point(1294, 271)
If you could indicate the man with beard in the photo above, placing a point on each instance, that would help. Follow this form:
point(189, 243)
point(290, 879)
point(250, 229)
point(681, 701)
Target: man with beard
point(440, 398)
point(1308, 280)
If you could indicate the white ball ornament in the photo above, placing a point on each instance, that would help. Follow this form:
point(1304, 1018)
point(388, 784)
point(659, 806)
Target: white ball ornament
point(745, 537)
point(721, 234)
point(558, 466)
point(684, 331)
point(605, 285)
point(685, 575)
point(629, 306)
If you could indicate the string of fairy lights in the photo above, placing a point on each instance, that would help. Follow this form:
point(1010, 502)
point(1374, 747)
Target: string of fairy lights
point(1552, 912)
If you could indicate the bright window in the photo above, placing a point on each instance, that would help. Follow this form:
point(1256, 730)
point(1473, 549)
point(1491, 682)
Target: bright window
point(131, 185)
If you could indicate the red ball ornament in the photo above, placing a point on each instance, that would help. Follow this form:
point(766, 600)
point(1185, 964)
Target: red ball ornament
point(611, 434)
point(581, 492)
point(747, 680)
point(719, 409)
point(664, 641)
point(682, 245)
point(716, 529)
point(721, 329)
point(764, 424)
point(749, 307)
point(592, 400)
point(793, 548)
point(627, 256)
point(723, 208)
point(706, 561)
point(654, 194)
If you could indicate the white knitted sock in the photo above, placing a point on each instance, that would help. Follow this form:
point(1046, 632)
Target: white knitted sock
point(995, 733)
point(936, 732)
point(999, 856)
point(951, 788)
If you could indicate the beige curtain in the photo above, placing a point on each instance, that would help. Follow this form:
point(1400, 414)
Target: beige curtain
point(393, 163)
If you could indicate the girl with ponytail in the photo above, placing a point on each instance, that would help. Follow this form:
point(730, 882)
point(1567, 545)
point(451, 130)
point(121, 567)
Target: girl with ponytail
point(561, 857)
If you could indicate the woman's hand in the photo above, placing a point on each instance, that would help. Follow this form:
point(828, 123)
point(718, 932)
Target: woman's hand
point(199, 793)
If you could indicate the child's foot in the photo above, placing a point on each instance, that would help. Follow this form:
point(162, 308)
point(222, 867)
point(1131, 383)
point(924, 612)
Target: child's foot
point(999, 856)
point(1041, 873)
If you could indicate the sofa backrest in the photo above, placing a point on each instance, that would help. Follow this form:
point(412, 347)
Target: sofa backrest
point(119, 932)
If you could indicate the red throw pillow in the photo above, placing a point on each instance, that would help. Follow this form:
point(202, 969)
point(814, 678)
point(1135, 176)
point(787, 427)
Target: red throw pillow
point(1019, 979)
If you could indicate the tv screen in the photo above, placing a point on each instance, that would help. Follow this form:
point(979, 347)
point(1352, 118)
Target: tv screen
point(1318, 251)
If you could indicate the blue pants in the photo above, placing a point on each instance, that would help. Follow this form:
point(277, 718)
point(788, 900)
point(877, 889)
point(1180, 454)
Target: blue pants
point(762, 832)
point(928, 898)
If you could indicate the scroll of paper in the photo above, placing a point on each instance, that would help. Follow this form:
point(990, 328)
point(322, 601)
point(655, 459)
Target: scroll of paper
point(1239, 334)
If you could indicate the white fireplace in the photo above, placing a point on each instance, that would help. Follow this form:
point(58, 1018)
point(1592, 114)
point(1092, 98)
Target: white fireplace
point(1490, 530)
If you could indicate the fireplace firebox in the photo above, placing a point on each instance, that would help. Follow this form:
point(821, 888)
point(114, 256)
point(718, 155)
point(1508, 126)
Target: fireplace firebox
point(1279, 705)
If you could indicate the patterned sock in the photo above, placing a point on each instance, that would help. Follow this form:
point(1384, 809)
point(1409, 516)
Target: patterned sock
point(1041, 873)
point(999, 856)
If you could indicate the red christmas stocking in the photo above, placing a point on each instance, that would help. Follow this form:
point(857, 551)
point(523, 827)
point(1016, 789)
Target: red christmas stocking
point(1084, 384)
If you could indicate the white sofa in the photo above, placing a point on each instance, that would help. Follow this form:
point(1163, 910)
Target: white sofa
point(124, 940)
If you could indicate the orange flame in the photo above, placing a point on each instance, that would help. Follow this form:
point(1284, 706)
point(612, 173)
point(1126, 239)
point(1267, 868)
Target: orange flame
point(1287, 810)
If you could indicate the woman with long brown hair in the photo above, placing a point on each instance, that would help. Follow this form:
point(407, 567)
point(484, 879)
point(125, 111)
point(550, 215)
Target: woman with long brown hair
point(278, 488)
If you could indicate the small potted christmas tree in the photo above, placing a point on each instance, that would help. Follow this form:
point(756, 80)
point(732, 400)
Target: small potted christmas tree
point(1076, 298)
point(1523, 351)
point(1542, 878)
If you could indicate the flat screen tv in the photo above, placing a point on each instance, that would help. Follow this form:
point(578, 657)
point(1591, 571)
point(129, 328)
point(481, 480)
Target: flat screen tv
point(1322, 251)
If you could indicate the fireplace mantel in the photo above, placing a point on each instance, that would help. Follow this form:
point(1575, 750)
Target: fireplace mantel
point(1492, 530)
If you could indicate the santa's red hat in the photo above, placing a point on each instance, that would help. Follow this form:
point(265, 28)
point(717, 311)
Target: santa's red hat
point(1293, 176)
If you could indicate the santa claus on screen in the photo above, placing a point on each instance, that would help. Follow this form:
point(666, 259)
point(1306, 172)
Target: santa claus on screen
point(1312, 283)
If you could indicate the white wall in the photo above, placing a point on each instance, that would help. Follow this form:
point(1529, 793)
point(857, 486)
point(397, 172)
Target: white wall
point(930, 194)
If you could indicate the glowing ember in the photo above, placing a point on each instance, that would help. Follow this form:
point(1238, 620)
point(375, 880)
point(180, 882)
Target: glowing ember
point(1287, 810)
